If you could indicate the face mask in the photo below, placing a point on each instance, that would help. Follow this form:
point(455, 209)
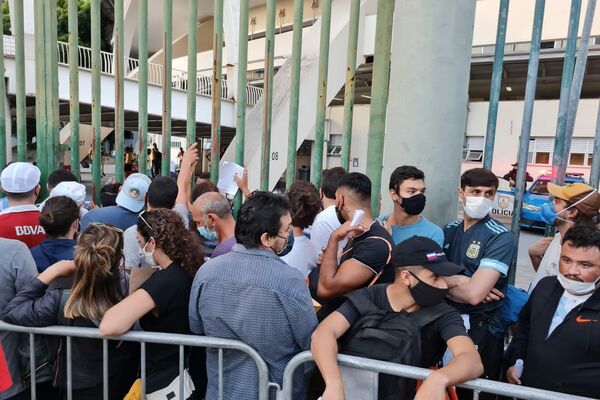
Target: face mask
point(577, 288)
point(413, 205)
point(477, 207)
point(338, 213)
point(147, 255)
point(208, 234)
point(549, 215)
point(289, 243)
point(426, 295)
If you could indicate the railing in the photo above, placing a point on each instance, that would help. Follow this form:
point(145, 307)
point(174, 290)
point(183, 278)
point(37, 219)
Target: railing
point(142, 338)
point(155, 71)
point(375, 366)
point(524, 47)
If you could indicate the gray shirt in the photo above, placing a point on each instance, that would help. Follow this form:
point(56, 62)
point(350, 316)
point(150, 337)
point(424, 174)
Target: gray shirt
point(17, 267)
point(131, 247)
point(253, 296)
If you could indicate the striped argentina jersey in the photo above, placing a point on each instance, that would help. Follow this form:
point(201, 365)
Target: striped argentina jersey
point(487, 244)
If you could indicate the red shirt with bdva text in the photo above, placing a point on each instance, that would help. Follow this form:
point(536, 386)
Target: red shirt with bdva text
point(22, 223)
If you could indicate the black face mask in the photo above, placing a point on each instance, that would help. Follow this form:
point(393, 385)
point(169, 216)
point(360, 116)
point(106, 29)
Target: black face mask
point(426, 295)
point(413, 205)
point(339, 215)
point(289, 243)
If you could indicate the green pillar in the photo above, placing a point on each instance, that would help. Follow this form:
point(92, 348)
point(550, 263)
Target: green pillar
point(294, 93)
point(240, 127)
point(192, 73)
point(268, 95)
point(52, 58)
point(317, 151)
point(143, 84)
point(215, 133)
point(350, 81)
point(490, 134)
point(379, 97)
point(96, 109)
point(20, 81)
point(168, 76)
point(2, 104)
point(565, 88)
point(40, 97)
point(74, 87)
point(119, 71)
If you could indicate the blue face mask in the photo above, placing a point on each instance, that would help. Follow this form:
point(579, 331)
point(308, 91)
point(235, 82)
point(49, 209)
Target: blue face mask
point(289, 243)
point(210, 235)
point(548, 214)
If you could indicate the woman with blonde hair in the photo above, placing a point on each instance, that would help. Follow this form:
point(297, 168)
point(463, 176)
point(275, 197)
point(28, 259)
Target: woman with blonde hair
point(161, 303)
point(78, 293)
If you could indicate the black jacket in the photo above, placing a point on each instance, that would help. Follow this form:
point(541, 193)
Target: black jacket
point(569, 359)
point(38, 305)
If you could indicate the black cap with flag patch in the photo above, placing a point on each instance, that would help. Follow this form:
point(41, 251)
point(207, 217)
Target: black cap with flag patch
point(424, 252)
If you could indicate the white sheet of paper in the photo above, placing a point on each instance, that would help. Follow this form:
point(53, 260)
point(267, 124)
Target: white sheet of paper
point(226, 182)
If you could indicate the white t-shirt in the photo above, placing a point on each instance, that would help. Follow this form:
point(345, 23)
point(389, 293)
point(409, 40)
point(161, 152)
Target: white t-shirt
point(549, 264)
point(303, 256)
point(325, 223)
point(131, 247)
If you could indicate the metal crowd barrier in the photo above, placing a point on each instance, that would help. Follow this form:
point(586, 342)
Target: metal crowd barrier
point(376, 366)
point(142, 338)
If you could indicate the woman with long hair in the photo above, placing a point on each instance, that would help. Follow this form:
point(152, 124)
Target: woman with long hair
point(161, 302)
point(78, 293)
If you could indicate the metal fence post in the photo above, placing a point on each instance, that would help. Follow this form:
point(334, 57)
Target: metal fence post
point(350, 83)
point(2, 103)
point(143, 84)
point(532, 71)
point(379, 97)
point(52, 91)
point(490, 134)
point(565, 88)
point(167, 78)
point(575, 90)
point(595, 169)
point(40, 98)
point(191, 74)
point(215, 148)
point(20, 80)
point(74, 86)
point(96, 105)
point(118, 69)
point(242, 98)
point(316, 167)
point(268, 95)
point(294, 93)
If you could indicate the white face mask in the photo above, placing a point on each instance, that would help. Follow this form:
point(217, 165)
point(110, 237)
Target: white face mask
point(575, 287)
point(477, 207)
point(147, 256)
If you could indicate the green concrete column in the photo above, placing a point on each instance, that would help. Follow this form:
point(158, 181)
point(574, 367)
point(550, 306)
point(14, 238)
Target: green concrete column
point(167, 78)
point(379, 97)
point(192, 73)
point(19, 34)
point(119, 71)
point(74, 86)
point(143, 84)
point(215, 149)
point(96, 105)
point(268, 95)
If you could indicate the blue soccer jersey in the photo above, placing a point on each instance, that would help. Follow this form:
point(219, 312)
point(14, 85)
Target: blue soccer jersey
point(487, 244)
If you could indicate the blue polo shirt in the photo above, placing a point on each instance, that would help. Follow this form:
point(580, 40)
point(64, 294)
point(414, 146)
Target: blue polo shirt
point(423, 227)
point(487, 244)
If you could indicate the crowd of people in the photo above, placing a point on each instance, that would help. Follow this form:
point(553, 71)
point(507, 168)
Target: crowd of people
point(310, 269)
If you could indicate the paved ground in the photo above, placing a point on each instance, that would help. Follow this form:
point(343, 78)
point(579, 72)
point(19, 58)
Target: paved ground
point(525, 272)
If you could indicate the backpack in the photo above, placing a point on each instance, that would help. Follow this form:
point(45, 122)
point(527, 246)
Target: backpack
point(386, 336)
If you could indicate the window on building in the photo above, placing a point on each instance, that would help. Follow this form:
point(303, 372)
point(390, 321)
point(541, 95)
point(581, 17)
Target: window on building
point(540, 151)
point(175, 145)
point(473, 148)
point(334, 147)
point(581, 152)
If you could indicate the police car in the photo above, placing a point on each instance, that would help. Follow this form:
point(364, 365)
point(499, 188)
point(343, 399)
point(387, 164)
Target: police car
point(535, 195)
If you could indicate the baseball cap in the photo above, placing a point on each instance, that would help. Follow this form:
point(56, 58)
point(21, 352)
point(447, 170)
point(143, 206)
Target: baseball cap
point(568, 191)
point(422, 251)
point(73, 190)
point(133, 192)
point(19, 177)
